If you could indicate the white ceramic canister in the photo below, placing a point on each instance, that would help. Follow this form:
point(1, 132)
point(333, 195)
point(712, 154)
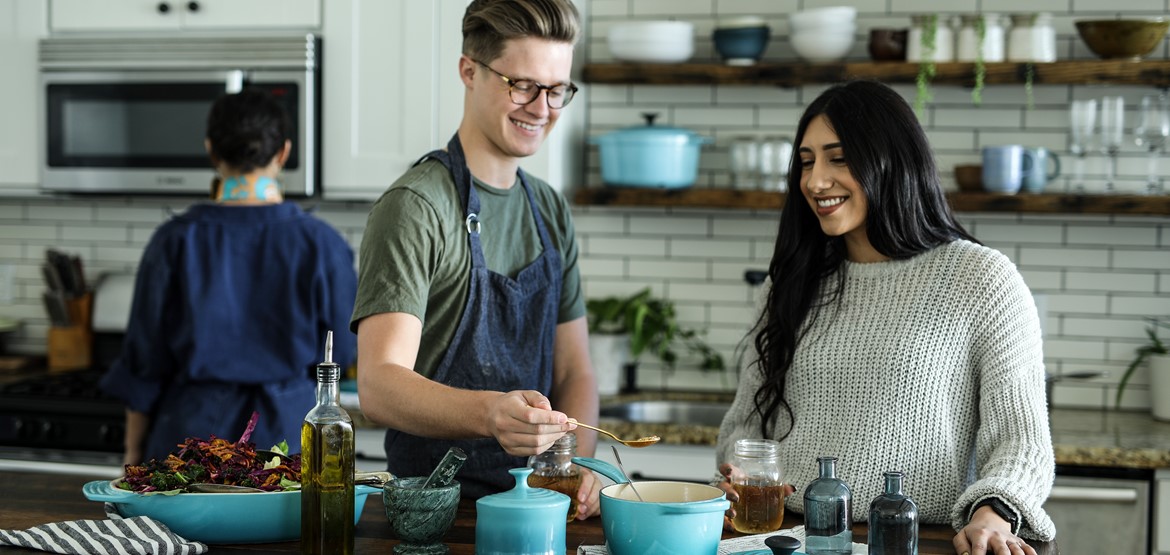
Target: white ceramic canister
point(968, 42)
point(944, 39)
point(1032, 38)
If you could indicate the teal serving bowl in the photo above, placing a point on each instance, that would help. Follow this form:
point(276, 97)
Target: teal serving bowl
point(218, 518)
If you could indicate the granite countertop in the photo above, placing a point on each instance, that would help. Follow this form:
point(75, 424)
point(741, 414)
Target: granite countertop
point(1080, 437)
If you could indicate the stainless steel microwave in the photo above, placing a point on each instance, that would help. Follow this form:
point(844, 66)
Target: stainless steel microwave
point(128, 114)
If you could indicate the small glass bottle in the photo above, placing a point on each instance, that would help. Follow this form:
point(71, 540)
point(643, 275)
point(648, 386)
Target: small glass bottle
point(554, 469)
point(327, 462)
point(828, 512)
point(893, 520)
point(759, 483)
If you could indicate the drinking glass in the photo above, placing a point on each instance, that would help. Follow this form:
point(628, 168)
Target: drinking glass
point(1151, 132)
point(1083, 118)
point(1112, 129)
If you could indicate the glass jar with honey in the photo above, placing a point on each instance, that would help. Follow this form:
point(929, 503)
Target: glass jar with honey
point(759, 481)
point(554, 469)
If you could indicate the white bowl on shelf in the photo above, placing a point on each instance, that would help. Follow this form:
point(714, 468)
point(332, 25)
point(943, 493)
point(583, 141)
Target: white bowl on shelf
point(652, 41)
point(818, 18)
point(819, 47)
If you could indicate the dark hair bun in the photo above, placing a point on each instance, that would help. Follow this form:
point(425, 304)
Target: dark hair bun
point(247, 129)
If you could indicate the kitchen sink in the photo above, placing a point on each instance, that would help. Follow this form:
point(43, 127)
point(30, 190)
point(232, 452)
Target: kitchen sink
point(698, 413)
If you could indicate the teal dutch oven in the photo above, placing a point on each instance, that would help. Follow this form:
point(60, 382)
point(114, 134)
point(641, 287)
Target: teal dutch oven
point(674, 518)
point(650, 156)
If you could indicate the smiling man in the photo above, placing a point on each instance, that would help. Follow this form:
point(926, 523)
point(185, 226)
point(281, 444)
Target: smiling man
point(469, 313)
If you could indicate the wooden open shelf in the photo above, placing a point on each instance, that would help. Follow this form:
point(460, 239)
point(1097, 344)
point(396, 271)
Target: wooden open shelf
point(960, 202)
point(1155, 73)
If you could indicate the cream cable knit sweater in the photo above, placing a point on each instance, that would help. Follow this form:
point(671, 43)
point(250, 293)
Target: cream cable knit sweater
point(932, 366)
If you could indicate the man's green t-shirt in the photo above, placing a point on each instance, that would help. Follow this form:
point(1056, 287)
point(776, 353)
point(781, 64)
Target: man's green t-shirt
point(415, 257)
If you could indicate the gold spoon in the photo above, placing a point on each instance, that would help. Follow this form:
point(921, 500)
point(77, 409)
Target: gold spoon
point(640, 442)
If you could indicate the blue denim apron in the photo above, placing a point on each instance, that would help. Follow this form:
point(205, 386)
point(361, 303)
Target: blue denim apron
point(504, 342)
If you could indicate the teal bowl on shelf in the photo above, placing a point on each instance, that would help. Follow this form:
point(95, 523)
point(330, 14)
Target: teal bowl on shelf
point(218, 518)
point(741, 46)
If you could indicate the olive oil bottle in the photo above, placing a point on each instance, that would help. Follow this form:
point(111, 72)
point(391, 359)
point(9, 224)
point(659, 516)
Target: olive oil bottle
point(327, 498)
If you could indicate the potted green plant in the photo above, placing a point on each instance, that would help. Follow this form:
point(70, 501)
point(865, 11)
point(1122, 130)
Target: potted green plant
point(1154, 353)
point(622, 329)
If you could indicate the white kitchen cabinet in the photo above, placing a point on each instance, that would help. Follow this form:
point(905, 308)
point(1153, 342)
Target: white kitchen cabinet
point(392, 93)
point(186, 15)
point(22, 24)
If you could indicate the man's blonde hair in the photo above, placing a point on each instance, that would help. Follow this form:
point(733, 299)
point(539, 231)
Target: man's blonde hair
point(488, 24)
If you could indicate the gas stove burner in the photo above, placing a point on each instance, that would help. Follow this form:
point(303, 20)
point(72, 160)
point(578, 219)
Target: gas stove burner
point(60, 411)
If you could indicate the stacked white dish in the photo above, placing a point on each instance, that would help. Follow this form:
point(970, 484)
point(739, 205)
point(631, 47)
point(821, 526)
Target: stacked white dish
point(652, 41)
point(823, 34)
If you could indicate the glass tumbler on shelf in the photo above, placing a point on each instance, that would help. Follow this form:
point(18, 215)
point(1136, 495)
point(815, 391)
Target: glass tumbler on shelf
point(744, 156)
point(1151, 132)
point(828, 509)
point(775, 158)
point(1082, 120)
point(758, 480)
point(1112, 129)
point(554, 469)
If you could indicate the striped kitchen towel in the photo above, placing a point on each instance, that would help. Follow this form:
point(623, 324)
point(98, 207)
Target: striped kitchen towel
point(113, 536)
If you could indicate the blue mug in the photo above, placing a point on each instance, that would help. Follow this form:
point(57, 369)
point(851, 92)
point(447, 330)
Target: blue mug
point(1036, 174)
point(1003, 168)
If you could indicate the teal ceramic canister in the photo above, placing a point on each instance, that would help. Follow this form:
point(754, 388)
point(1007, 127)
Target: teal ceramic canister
point(522, 520)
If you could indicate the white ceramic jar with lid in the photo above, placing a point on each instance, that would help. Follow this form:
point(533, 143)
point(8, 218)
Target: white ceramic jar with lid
point(971, 47)
point(922, 26)
point(1032, 38)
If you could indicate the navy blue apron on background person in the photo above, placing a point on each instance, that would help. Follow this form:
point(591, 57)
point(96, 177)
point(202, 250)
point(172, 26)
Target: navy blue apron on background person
point(504, 342)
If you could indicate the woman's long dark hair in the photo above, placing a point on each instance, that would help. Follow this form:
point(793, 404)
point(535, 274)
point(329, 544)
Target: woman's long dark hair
point(887, 153)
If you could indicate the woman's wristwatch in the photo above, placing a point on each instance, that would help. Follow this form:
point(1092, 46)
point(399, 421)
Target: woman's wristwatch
point(1003, 510)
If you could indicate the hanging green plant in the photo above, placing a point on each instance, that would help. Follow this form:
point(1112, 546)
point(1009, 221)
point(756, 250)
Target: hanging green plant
point(926, 67)
point(1029, 76)
point(980, 68)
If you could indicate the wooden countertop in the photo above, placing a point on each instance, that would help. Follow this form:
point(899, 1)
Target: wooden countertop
point(34, 498)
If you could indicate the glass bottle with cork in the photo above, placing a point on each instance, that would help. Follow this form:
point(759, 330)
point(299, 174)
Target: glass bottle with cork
point(828, 512)
point(759, 482)
point(327, 465)
point(554, 470)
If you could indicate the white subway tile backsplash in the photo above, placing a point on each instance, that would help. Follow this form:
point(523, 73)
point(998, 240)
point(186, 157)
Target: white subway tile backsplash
point(604, 8)
point(1110, 9)
point(597, 267)
point(1071, 258)
point(1109, 281)
point(671, 226)
point(732, 94)
point(773, 10)
point(985, 118)
point(631, 246)
point(1113, 328)
point(1006, 233)
point(1144, 236)
point(710, 292)
point(1083, 348)
point(731, 116)
point(20, 232)
point(671, 9)
point(1154, 259)
point(136, 214)
point(709, 248)
point(59, 212)
point(90, 233)
point(1077, 304)
point(1043, 280)
point(660, 268)
point(1152, 305)
point(699, 94)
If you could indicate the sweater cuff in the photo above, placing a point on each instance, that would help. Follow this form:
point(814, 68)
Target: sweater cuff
point(1000, 507)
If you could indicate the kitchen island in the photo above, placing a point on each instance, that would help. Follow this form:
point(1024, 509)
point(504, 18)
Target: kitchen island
point(33, 498)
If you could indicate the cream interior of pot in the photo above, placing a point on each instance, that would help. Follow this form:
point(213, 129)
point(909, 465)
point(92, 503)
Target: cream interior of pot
point(664, 492)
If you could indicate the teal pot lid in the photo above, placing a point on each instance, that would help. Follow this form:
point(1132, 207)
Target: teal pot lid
point(652, 134)
point(522, 497)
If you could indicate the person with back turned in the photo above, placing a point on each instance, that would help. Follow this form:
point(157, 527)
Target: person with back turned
point(233, 299)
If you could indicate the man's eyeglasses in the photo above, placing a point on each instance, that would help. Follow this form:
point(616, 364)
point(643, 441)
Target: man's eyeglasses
point(525, 91)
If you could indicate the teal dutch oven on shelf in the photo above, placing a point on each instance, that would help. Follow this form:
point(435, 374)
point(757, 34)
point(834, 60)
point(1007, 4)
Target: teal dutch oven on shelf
point(650, 155)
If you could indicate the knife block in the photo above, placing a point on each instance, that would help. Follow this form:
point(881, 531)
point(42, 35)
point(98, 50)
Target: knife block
point(71, 347)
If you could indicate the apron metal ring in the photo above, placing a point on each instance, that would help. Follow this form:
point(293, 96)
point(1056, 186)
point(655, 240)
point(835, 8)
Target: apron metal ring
point(472, 223)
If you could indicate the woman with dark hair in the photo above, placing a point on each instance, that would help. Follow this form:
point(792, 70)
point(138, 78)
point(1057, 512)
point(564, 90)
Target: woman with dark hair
point(233, 300)
point(892, 340)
